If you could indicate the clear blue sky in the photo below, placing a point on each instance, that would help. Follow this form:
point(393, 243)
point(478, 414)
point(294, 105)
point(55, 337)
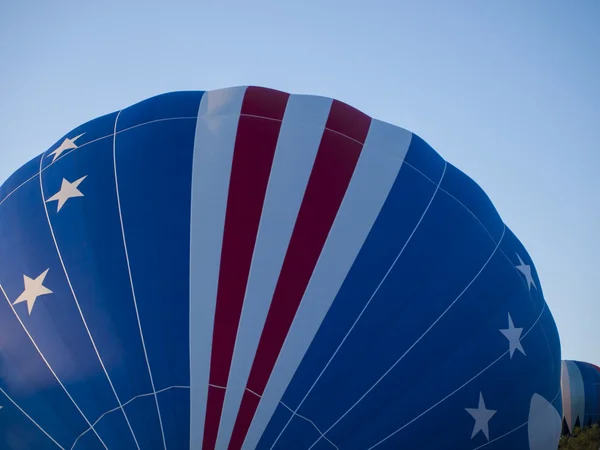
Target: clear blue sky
point(508, 91)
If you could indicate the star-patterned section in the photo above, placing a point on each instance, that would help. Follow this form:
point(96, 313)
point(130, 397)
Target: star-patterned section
point(481, 414)
point(67, 190)
point(482, 417)
point(525, 269)
point(67, 144)
point(70, 243)
point(514, 337)
point(34, 288)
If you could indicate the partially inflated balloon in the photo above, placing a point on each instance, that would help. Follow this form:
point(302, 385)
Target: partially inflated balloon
point(245, 268)
point(580, 394)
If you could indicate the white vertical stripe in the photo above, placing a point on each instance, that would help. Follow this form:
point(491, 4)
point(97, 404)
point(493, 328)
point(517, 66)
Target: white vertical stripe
point(218, 118)
point(577, 393)
point(378, 166)
point(299, 139)
point(566, 392)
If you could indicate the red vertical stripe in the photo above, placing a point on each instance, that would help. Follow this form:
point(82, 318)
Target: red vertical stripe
point(256, 140)
point(336, 159)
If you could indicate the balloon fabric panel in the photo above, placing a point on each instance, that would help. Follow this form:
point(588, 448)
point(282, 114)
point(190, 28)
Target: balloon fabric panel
point(250, 269)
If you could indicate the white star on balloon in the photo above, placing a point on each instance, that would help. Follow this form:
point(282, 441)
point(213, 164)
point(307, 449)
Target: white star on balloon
point(525, 269)
point(67, 190)
point(67, 144)
point(514, 337)
point(482, 418)
point(33, 290)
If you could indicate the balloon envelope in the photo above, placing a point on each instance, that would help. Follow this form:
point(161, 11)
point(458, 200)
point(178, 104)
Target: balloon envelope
point(245, 268)
point(580, 382)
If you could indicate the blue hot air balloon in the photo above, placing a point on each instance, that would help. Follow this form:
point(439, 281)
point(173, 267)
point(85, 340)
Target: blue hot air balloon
point(249, 269)
point(580, 384)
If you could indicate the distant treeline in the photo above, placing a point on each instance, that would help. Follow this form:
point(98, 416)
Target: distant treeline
point(587, 438)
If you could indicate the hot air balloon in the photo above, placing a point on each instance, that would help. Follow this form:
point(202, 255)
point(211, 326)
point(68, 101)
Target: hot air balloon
point(248, 269)
point(580, 383)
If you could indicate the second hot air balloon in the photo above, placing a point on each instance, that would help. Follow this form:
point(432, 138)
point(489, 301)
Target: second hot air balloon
point(581, 394)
